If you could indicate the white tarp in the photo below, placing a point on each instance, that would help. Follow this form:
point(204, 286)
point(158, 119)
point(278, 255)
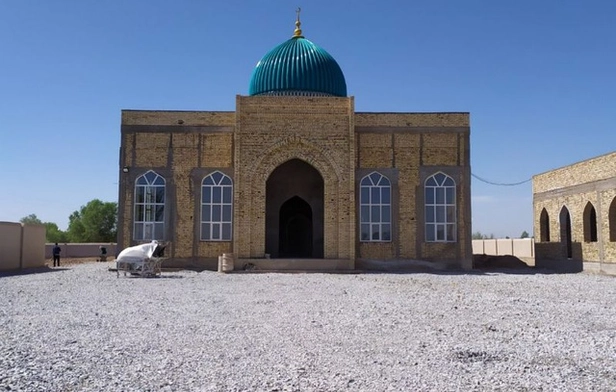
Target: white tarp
point(142, 259)
point(138, 252)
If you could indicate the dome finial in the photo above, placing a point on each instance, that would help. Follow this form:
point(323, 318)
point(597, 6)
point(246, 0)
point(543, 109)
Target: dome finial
point(298, 32)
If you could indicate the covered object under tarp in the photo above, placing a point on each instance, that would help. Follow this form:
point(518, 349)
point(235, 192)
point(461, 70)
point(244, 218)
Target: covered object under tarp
point(142, 260)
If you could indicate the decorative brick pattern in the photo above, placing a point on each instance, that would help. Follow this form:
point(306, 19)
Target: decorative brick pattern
point(273, 130)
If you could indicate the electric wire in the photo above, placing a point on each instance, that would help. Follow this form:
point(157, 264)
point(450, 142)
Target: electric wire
point(500, 183)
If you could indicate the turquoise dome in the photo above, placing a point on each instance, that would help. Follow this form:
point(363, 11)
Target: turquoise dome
point(298, 67)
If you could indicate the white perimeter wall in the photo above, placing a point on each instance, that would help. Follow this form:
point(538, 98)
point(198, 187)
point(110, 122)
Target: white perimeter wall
point(519, 247)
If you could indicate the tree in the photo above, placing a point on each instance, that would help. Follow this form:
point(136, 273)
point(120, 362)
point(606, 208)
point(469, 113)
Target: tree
point(31, 219)
point(94, 222)
point(54, 234)
point(524, 234)
point(479, 236)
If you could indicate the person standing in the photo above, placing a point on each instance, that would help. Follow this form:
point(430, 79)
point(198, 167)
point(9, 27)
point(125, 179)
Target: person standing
point(56, 255)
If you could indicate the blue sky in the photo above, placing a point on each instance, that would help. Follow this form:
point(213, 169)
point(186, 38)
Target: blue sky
point(538, 78)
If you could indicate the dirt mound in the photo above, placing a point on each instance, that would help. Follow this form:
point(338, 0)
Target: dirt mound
point(496, 262)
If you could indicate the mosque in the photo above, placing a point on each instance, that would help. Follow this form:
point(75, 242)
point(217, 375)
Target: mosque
point(295, 178)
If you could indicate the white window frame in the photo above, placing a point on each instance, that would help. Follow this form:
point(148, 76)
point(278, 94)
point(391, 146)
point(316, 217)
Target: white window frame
point(375, 208)
point(440, 208)
point(216, 223)
point(149, 207)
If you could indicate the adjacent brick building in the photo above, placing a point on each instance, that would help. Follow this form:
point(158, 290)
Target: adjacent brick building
point(575, 215)
point(295, 178)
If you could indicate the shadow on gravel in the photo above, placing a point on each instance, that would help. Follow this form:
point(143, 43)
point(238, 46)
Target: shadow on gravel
point(477, 271)
point(30, 271)
point(482, 265)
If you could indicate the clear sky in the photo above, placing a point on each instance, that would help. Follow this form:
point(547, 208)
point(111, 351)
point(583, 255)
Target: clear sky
point(537, 76)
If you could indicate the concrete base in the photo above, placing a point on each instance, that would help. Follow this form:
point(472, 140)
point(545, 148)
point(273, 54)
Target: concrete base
point(294, 265)
point(406, 265)
point(600, 268)
point(565, 266)
point(577, 266)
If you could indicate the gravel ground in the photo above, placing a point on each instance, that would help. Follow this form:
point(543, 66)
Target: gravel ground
point(80, 328)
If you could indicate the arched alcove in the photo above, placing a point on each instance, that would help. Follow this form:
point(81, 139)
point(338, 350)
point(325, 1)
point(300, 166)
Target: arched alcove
point(565, 232)
point(544, 226)
point(590, 223)
point(612, 220)
point(294, 211)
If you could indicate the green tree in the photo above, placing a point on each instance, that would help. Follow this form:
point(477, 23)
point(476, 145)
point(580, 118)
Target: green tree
point(94, 222)
point(479, 236)
point(524, 234)
point(54, 234)
point(31, 219)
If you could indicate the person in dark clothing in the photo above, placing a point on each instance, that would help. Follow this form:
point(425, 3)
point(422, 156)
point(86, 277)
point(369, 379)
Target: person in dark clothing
point(103, 253)
point(56, 255)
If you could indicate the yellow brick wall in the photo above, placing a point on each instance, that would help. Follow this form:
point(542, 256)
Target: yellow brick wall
point(440, 149)
point(185, 158)
point(375, 150)
point(591, 170)
point(273, 130)
point(412, 119)
point(151, 149)
point(403, 146)
point(407, 156)
point(560, 191)
point(377, 250)
point(157, 132)
point(439, 251)
point(266, 132)
point(608, 203)
point(217, 150)
point(175, 117)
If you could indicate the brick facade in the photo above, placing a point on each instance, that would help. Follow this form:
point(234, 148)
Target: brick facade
point(326, 133)
point(586, 191)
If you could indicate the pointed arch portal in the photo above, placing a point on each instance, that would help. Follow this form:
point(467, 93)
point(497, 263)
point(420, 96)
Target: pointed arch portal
point(294, 211)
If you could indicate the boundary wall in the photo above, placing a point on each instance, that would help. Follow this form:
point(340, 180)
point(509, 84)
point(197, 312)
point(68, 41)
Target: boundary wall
point(82, 250)
point(522, 248)
point(21, 246)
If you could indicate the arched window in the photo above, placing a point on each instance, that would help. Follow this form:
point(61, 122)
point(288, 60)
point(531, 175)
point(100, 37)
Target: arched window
point(590, 223)
point(612, 220)
point(544, 226)
point(440, 193)
point(149, 223)
point(216, 207)
point(375, 208)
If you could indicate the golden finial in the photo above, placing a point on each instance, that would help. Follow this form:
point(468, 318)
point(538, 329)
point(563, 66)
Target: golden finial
point(298, 32)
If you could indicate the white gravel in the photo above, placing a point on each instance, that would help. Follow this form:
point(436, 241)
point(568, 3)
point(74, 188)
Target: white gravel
point(82, 329)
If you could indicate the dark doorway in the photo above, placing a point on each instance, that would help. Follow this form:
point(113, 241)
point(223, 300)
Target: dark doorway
point(565, 232)
point(590, 223)
point(294, 211)
point(295, 237)
point(544, 226)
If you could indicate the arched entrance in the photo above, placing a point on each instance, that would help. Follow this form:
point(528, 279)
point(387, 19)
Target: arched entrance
point(565, 232)
point(295, 229)
point(294, 211)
